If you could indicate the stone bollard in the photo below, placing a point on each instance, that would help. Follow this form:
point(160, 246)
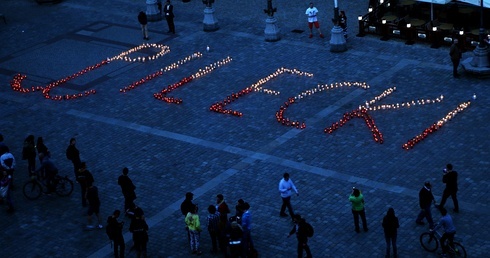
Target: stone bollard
point(272, 31)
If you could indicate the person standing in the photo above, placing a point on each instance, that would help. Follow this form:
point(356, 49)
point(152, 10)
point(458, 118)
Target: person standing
point(455, 53)
point(168, 9)
point(285, 187)
point(5, 180)
point(2, 145)
point(49, 171)
point(143, 20)
point(73, 154)
point(343, 23)
point(223, 211)
point(139, 228)
point(213, 228)
point(186, 207)
point(41, 148)
point(357, 200)
point(7, 163)
point(85, 179)
point(127, 188)
point(450, 178)
point(390, 227)
point(446, 222)
point(313, 20)
point(194, 224)
point(247, 242)
point(114, 227)
point(426, 198)
point(300, 229)
point(29, 153)
point(93, 206)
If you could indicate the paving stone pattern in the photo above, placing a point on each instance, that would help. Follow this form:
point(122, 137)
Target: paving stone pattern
point(171, 149)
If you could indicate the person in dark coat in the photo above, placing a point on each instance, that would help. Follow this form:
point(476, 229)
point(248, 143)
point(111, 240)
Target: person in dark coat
point(127, 188)
point(450, 178)
point(426, 198)
point(41, 148)
point(73, 155)
point(85, 179)
point(49, 170)
point(390, 226)
point(139, 228)
point(93, 206)
point(29, 153)
point(301, 233)
point(168, 10)
point(115, 228)
point(143, 20)
point(455, 53)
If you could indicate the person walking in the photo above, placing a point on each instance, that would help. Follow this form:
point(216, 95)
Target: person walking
point(194, 224)
point(446, 222)
point(300, 229)
point(85, 179)
point(114, 229)
point(29, 153)
point(357, 200)
point(312, 11)
point(73, 155)
point(285, 187)
point(93, 205)
point(143, 20)
point(455, 53)
point(450, 178)
point(390, 227)
point(168, 9)
point(127, 188)
point(139, 228)
point(426, 198)
point(213, 220)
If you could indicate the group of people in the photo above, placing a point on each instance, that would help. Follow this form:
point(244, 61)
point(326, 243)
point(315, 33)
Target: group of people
point(230, 236)
point(168, 12)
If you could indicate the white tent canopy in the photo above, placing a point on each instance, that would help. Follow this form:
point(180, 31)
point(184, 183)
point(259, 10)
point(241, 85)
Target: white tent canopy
point(438, 2)
point(486, 3)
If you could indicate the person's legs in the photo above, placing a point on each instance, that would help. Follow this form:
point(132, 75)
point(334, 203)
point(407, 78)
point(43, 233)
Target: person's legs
point(393, 243)
point(428, 216)
point(356, 220)
point(317, 26)
point(443, 242)
point(213, 236)
point(387, 240)
point(307, 250)
point(310, 26)
point(290, 208)
point(83, 188)
point(300, 249)
point(285, 201)
point(421, 216)
point(455, 201)
point(445, 195)
point(364, 222)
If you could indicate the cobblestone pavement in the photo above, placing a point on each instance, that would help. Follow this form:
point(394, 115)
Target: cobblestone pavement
point(171, 149)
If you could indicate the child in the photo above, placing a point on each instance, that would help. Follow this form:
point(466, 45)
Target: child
point(213, 228)
point(194, 225)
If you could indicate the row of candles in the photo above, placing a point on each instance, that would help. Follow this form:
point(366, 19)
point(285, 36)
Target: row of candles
point(358, 113)
point(219, 107)
point(16, 82)
point(436, 126)
point(321, 87)
point(162, 95)
point(161, 71)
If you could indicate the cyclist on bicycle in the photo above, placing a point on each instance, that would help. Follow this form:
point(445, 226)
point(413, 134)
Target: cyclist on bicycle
point(446, 222)
point(50, 171)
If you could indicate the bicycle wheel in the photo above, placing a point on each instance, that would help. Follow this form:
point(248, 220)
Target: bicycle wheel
point(32, 190)
point(457, 251)
point(64, 186)
point(429, 242)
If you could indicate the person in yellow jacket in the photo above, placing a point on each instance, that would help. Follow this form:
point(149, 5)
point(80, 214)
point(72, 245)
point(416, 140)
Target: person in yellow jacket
point(194, 225)
point(357, 200)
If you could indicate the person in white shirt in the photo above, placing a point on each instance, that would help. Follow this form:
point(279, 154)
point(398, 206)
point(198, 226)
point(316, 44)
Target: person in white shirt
point(285, 187)
point(312, 20)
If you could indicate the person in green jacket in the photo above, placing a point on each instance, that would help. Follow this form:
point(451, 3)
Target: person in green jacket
point(357, 200)
point(194, 225)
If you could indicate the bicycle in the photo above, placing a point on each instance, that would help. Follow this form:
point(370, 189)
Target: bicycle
point(430, 242)
point(33, 188)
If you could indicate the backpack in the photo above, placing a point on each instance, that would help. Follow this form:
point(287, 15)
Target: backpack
point(309, 230)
